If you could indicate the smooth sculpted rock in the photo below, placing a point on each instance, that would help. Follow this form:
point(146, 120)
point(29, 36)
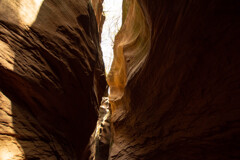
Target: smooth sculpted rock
point(176, 93)
point(51, 78)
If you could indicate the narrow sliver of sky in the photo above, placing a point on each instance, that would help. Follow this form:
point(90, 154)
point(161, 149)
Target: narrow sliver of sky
point(112, 10)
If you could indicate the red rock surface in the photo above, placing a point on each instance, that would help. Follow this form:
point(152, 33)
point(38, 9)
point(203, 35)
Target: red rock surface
point(52, 79)
point(183, 103)
point(98, 9)
point(174, 82)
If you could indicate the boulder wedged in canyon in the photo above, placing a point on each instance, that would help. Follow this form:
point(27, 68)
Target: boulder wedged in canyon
point(183, 100)
point(51, 78)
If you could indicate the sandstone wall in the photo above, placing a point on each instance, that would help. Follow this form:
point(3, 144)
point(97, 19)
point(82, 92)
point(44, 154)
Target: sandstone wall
point(51, 78)
point(183, 103)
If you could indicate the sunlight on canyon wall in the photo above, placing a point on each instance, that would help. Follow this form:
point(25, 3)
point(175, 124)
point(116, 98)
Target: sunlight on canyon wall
point(10, 149)
point(23, 13)
point(131, 47)
point(18, 49)
point(20, 12)
point(6, 59)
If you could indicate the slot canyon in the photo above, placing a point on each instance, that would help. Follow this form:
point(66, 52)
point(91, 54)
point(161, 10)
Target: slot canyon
point(172, 91)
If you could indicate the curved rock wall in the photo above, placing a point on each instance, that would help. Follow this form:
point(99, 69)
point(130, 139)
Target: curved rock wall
point(131, 47)
point(174, 83)
point(183, 103)
point(52, 78)
point(98, 9)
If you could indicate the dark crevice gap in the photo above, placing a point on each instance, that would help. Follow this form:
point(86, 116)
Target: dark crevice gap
point(101, 139)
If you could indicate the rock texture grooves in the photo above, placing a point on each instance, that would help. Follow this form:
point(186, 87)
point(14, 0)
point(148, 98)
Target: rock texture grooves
point(51, 79)
point(101, 140)
point(98, 9)
point(183, 103)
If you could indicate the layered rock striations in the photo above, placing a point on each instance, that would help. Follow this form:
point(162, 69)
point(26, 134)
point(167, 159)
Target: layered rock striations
point(174, 81)
point(51, 78)
point(182, 102)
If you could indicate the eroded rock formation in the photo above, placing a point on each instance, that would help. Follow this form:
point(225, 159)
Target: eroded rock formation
point(98, 9)
point(183, 102)
point(51, 78)
point(174, 82)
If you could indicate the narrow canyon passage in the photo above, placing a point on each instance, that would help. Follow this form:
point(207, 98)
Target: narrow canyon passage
point(102, 137)
point(169, 92)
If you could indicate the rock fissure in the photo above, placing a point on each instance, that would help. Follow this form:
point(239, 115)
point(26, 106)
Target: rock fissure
point(173, 82)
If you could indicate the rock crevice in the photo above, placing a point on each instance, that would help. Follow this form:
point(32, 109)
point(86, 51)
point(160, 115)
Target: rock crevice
point(174, 81)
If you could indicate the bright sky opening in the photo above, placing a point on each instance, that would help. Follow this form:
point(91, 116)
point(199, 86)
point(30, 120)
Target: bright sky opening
point(112, 10)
